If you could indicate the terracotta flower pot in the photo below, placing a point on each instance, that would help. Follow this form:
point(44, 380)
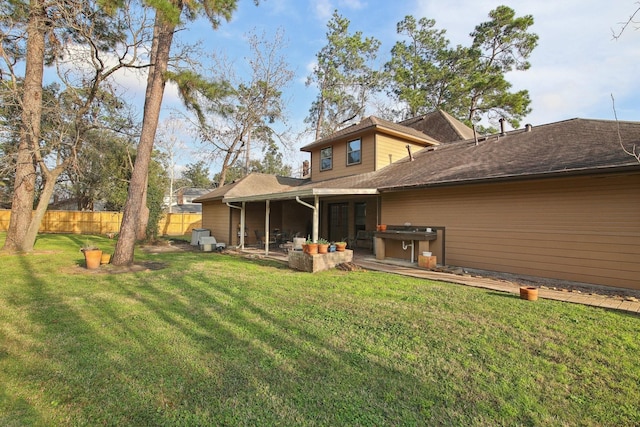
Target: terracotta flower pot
point(312, 248)
point(383, 227)
point(529, 293)
point(92, 258)
point(340, 247)
point(305, 248)
point(323, 248)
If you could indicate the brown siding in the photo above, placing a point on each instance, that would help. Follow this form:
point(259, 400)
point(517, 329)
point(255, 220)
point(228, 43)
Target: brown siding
point(580, 229)
point(340, 167)
point(215, 217)
point(296, 218)
point(389, 149)
point(378, 151)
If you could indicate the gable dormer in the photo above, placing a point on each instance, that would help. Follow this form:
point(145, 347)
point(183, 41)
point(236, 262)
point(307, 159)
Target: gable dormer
point(363, 147)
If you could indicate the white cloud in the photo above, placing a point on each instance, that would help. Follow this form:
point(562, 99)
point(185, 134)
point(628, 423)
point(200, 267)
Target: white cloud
point(323, 9)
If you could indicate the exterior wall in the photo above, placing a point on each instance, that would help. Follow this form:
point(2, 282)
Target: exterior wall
point(215, 217)
point(296, 218)
point(583, 229)
point(390, 150)
point(340, 167)
point(378, 150)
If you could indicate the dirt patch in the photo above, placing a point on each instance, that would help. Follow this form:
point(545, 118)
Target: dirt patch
point(118, 269)
point(163, 246)
point(349, 266)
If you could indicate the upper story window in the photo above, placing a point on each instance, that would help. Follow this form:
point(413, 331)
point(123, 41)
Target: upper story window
point(354, 152)
point(326, 158)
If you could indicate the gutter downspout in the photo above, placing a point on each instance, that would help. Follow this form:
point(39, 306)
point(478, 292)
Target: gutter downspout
point(241, 243)
point(267, 213)
point(315, 215)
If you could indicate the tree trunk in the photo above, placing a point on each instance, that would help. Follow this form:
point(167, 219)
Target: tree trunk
point(49, 186)
point(160, 49)
point(143, 220)
point(25, 177)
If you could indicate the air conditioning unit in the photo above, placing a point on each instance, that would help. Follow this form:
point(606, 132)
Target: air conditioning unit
point(197, 233)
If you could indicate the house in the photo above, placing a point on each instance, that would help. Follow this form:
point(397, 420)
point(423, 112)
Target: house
point(181, 201)
point(558, 200)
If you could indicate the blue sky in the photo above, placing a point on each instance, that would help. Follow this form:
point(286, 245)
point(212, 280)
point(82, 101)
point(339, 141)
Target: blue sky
point(576, 67)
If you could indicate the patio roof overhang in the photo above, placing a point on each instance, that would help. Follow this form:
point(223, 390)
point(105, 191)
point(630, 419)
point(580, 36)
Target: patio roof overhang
point(304, 193)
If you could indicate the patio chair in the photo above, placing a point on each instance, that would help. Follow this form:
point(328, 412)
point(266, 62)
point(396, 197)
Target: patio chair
point(260, 239)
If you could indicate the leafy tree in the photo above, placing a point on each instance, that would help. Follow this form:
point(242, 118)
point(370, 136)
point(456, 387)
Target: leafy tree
point(167, 20)
point(33, 16)
point(499, 46)
point(197, 174)
point(102, 171)
point(468, 82)
point(157, 182)
point(344, 76)
point(271, 163)
point(423, 72)
point(38, 33)
point(234, 113)
point(417, 76)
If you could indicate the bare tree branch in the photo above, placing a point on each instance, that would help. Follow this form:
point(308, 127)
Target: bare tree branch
point(634, 150)
point(626, 23)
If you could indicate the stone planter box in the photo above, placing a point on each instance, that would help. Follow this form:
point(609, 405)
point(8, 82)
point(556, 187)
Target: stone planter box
point(318, 262)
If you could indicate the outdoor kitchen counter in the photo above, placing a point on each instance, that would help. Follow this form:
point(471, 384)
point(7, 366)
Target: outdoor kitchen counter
point(418, 239)
point(406, 235)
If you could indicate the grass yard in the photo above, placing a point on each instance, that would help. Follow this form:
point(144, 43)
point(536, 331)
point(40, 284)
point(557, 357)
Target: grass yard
point(212, 339)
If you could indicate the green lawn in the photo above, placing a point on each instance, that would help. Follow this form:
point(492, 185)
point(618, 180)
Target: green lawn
point(214, 339)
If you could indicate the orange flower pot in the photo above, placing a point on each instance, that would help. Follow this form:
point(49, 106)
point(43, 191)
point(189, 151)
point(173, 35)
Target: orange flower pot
point(92, 258)
point(529, 293)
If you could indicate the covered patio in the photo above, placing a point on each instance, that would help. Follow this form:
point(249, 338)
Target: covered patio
point(315, 213)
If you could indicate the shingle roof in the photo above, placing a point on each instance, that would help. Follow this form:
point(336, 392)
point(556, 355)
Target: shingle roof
point(576, 146)
point(571, 146)
point(441, 126)
point(253, 184)
point(380, 125)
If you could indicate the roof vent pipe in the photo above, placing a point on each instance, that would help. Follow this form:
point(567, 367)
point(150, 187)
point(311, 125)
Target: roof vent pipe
point(502, 133)
point(475, 135)
point(528, 127)
point(410, 154)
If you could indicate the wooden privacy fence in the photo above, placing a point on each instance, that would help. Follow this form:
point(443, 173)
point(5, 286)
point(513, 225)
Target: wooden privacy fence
point(77, 222)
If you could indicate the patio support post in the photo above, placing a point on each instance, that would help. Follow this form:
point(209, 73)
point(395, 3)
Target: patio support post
point(241, 232)
point(242, 225)
point(266, 228)
point(316, 209)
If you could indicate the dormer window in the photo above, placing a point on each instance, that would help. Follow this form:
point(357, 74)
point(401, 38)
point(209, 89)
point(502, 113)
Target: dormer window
point(326, 158)
point(354, 152)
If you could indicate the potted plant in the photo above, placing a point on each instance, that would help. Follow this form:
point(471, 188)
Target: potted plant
point(340, 246)
point(92, 256)
point(323, 246)
point(312, 248)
